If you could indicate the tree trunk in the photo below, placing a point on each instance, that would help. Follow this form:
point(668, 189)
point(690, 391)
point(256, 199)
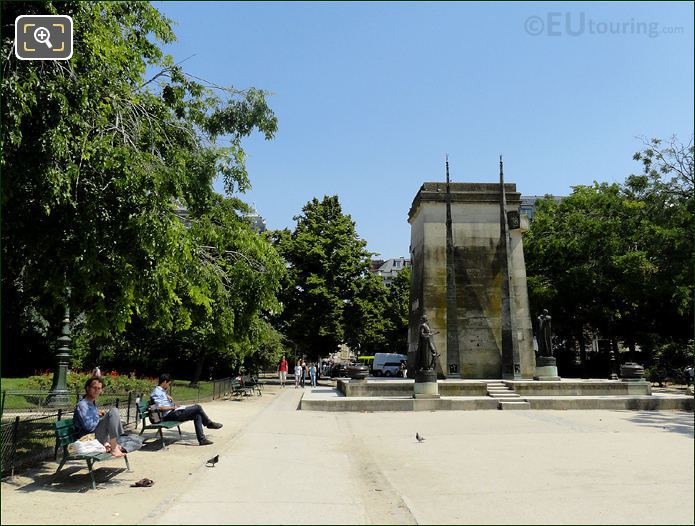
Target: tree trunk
point(197, 372)
point(582, 353)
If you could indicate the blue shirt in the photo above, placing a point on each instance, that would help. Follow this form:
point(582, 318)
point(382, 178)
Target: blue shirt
point(160, 398)
point(85, 417)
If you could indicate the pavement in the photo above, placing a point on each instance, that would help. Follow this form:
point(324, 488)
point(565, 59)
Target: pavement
point(282, 466)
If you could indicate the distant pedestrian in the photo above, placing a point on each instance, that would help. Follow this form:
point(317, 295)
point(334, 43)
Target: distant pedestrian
point(282, 371)
point(297, 373)
point(403, 370)
point(96, 372)
point(312, 373)
point(302, 381)
point(689, 371)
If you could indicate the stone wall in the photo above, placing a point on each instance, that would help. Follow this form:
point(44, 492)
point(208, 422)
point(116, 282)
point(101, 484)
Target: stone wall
point(478, 277)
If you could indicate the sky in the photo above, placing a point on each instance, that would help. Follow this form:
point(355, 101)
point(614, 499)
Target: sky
point(371, 96)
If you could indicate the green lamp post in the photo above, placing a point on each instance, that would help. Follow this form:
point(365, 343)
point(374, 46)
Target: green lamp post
point(59, 395)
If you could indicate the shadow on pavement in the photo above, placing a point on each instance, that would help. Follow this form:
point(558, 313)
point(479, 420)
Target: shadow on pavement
point(680, 422)
point(71, 479)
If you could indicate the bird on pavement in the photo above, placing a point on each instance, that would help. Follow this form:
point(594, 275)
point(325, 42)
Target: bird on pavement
point(419, 438)
point(214, 460)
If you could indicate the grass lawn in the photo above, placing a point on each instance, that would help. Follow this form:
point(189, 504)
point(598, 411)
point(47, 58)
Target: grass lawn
point(15, 384)
point(179, 391)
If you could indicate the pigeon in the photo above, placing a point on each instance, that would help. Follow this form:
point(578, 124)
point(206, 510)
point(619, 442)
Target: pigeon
point(419, 438)
point(214, 460)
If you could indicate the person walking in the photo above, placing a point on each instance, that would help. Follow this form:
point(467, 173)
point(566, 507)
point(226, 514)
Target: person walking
point(312, 374)
point(282, 371)
point(297, 373)
point(303, 373)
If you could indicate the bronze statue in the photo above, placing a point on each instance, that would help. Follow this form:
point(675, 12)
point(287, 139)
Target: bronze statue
point(426, 351)
point(544, 335)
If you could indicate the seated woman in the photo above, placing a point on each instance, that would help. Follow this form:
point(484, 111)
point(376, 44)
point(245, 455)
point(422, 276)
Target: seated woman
point(87, 418)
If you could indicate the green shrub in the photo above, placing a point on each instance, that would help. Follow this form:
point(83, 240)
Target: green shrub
point(113, 383)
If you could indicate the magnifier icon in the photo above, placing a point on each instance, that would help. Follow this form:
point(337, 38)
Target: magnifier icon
point(42, 35)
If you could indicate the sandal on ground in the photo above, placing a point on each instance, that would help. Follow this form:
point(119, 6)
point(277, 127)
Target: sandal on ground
point(142, 483)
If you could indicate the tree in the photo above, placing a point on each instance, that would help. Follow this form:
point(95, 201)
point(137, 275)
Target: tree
point(367, 327)
point(667, 190)
point(326, 262)
point(378, 318)
point(398, 312)
point(96, 162)
point(618, 259)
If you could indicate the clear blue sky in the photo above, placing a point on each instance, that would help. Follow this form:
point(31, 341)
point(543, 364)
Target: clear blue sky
point(370, 96)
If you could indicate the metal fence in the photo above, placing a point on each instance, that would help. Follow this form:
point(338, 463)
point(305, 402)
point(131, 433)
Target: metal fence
point(221, 388)
point(26, 431)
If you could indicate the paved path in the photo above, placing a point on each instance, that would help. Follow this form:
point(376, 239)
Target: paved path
point(279, 465)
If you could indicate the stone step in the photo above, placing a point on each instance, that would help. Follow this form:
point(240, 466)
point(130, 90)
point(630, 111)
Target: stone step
point(498, 388)
point(504, 395)
point(514, 405)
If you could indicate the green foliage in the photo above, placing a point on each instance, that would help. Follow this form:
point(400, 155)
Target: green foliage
point(377, 321)
point(269, 345)
point(328, 295)
point(98, 163)
point(669, 362)
point(366, 326)
point(398, 311)
point(618, 259)
point(113, 384)
point(326, 261)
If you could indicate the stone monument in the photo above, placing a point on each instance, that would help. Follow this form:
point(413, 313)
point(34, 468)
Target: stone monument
point(426, 362)
point(463, 234)
point(546, 366)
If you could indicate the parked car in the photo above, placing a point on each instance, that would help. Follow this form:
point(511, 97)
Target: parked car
point(387, 364)
point(339, 370)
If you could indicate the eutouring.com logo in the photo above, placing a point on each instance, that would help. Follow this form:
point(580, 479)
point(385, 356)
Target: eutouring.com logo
point(556, 24)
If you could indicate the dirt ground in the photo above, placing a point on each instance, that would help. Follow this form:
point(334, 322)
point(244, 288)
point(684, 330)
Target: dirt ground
point(283, 466)
point(35, 496)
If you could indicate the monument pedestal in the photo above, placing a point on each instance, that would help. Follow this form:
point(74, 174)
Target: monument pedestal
point(426, 386)
point(546, 369)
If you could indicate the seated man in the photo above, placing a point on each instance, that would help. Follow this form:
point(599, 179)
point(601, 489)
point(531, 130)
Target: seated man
point(171, 411)
point(87, 418)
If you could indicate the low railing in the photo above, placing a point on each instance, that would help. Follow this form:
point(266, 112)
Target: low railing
point(27, 418)
point(27, 432)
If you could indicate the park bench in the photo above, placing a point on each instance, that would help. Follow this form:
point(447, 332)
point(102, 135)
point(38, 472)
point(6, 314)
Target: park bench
point(252, 384)
point(65, 435)
point(238, 388)
point(145, 418)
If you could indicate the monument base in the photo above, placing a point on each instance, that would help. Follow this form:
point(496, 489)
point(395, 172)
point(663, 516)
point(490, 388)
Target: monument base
point(426, 385)
point(546, 369)
point(546, 374)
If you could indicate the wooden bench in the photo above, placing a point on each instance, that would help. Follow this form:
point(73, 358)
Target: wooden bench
point(65, 435)
point(164, 424)
point(252, 384)
point(238, 388)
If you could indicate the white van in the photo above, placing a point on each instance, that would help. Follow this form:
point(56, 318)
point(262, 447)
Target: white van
point(387, 364)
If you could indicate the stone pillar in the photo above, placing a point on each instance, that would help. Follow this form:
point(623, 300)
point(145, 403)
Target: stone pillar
point(475, 224)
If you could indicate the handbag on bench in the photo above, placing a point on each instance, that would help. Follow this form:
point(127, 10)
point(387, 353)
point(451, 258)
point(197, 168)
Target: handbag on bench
point(154, 413)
